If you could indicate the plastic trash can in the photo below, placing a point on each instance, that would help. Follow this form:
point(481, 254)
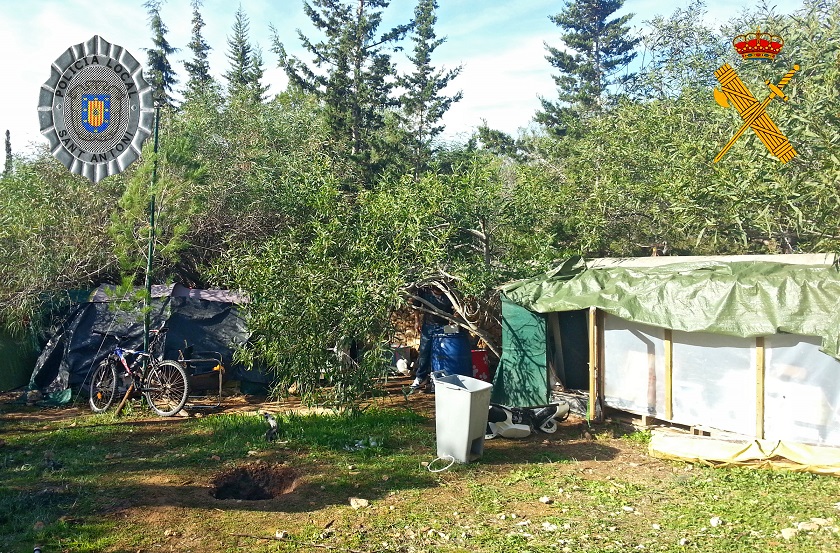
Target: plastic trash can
point(461, 404)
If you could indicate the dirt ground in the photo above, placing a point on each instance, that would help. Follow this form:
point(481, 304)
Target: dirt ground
point(179, 507)
point(589, 446)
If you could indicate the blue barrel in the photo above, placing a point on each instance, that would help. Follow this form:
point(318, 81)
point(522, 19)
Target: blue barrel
point(451, 354)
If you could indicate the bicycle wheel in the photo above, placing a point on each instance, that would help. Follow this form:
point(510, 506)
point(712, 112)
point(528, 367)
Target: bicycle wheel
point(103, 386)
point(166, 388)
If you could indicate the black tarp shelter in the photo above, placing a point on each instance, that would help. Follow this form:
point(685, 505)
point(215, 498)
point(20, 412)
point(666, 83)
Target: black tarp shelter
point(208, 320)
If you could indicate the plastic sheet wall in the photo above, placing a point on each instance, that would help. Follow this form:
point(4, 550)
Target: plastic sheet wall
point(634, 367)
point(802, 391)
point(715, 381)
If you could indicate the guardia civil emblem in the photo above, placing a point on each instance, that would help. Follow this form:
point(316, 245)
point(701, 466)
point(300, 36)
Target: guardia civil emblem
point(733, 92)
point(96, 109)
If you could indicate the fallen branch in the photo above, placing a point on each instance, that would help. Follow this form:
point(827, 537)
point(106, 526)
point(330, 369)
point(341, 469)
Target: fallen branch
point(426, 307)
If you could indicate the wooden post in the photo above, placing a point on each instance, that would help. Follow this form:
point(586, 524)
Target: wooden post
point(124, 399)
point(669, 374)
point(759, 387)
point(147, 303)
point(593, 363)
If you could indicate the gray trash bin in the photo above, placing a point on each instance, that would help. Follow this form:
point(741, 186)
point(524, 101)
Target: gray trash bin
point(461, 405)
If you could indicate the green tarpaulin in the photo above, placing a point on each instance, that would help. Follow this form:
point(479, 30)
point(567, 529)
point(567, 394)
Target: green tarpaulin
point(521, 379)
point(738, 298)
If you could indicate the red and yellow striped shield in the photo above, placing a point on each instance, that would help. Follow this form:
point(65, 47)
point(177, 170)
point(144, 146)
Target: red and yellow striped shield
point(96, 110)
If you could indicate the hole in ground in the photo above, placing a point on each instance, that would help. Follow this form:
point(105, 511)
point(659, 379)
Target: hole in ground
point(254, 482)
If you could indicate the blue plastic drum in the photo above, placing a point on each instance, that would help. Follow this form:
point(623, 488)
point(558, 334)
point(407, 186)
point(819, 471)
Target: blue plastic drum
point(451, 354)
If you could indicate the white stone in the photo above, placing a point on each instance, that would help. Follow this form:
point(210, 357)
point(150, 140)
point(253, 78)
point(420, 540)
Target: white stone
point(788, 533)
point(808, 526)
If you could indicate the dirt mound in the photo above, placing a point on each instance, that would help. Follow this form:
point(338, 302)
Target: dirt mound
point(254, 482)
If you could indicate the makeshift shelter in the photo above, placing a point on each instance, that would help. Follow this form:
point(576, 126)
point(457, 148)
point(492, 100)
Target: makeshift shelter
point(208, 320)
point(742, 344)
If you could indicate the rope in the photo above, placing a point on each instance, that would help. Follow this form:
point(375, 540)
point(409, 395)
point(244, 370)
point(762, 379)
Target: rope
point(436, 459)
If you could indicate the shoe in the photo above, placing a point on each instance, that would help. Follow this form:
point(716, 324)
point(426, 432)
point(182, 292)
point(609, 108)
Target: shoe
point(418, 384)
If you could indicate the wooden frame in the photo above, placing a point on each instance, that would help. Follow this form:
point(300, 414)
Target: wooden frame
point(669, 373)
point(595, 363)
point(759, 387)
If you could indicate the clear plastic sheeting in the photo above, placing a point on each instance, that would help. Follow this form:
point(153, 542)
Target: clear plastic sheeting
point(802, 391)
point(714, 381)
point(634, 367)
point(725, 452)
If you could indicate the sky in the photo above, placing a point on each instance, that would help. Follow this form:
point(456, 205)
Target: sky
point(500, 45)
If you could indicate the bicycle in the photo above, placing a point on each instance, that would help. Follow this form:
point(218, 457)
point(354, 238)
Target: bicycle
point(163, 383)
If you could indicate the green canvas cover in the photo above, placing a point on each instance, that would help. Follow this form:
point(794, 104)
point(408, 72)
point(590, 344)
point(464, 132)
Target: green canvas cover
point(521, 379)
point(737, 298)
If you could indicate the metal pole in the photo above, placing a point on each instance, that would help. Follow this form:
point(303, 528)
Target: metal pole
point(148, 299)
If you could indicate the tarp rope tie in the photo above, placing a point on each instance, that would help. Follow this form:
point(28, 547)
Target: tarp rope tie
point(442, 457)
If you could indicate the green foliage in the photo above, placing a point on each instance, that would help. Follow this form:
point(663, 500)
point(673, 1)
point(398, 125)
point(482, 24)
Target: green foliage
point(680, 54)
point(198, 69)
point(310, 204)
point(640, 175)
point(177, 173)
point(352, 75)
point(52, 237)
point(423, 104)
point(601, 48)
point(7, 164)
point(160, 74)
point(246, 63)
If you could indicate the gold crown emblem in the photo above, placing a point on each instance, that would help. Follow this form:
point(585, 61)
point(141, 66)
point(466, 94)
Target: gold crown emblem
point(758, 45)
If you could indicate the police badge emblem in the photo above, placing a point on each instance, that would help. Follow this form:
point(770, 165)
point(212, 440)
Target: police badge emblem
point(96, 109)
point(96, 112)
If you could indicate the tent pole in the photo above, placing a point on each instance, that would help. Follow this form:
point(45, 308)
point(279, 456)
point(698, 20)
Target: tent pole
point(147, 312)
point(669, 374)
point(593, 365)
point(759, 387)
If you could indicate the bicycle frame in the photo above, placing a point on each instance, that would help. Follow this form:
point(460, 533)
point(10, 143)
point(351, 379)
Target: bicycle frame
point(164, 383)
point(138, 376)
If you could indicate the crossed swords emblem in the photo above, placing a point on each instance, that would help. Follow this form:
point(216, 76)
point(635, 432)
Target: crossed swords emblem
point(753, 112)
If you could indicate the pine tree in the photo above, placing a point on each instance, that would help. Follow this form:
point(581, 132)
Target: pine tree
point(160, 76)
point(359, 75)
point(239, 53)
point(7, 167)
point(423, 102)
point(198, 69)
point(601, 48)
point(255, 75)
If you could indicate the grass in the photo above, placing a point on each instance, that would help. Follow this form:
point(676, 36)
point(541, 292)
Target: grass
point(96, 483)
